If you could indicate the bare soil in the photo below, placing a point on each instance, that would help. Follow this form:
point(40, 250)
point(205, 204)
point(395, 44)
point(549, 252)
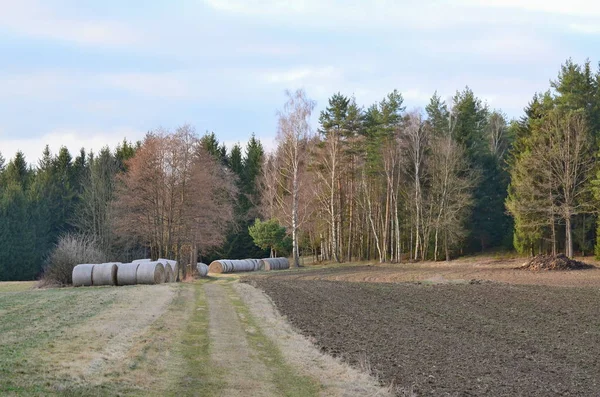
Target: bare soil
point(505, 270)
point(452, 337)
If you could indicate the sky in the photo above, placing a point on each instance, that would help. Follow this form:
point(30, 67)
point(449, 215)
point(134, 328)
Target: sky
point(83, 73)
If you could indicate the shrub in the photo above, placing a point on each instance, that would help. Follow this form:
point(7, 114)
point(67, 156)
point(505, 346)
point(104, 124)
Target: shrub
point(71, 250)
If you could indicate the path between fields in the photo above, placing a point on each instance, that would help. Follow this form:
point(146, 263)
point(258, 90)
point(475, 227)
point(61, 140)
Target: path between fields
point(245, 375)
point(262, 355)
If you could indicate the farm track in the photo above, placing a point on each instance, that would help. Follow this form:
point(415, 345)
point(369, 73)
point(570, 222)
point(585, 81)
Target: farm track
point(206, 338)
point(449, 338)
point(245, 373)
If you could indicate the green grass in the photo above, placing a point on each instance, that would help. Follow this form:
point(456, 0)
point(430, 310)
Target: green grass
point(198, 377)
point(16, 286)
point(29, 322)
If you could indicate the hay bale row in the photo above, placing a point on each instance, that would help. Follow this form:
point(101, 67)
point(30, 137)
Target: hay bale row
point(141, 271)
point(232, 266)
point(275, 264)
point(202, 269)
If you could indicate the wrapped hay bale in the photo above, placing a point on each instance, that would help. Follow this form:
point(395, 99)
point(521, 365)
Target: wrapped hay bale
point(150, 273)
point(105, 274)
point(169, 277)
point(82, 275)
point(142, 260)
point(202, 269)
point(255, 263)
point(127, 273)
point(231, 266)
point(174, 266)
point(275, 264)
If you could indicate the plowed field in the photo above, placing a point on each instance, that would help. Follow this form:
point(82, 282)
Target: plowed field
point(450, 337)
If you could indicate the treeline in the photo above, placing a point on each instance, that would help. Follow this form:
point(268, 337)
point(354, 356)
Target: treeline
point(372, 182)
point(38, 204)
point(175, 195)
point(383, 183)
point(554, 193)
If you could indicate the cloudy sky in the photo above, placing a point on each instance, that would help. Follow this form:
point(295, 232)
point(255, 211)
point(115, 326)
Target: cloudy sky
point(89, 72)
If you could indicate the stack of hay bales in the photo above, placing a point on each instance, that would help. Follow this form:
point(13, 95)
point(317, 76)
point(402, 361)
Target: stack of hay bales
point(275, 264)
point(202, 269)
point(140, 271)
point(232, 266)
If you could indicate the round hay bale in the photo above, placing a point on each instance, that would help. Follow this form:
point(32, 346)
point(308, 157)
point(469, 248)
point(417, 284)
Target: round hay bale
point(202, 269)
point(215, 267)
point(142, 260)
point(105, 274)
point(255, 263)
point(127, 273)
point(169, 277)
point(150, 273)
point(174, 266)
point(275, 264)
point(82, 275)
point(232, 266)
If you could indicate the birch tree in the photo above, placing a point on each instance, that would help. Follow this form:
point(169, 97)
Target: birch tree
point(293, 133)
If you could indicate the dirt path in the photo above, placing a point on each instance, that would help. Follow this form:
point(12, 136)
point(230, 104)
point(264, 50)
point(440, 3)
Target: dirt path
point(245, 374)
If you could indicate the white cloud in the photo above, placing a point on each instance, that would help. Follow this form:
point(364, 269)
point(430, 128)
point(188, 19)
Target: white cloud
point(299, 76)
point(586, 28)
point(584, 8)
point(72, 138)
point(36, 19)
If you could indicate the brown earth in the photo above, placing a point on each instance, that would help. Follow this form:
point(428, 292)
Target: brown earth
point(449, 337)
point(464, 270)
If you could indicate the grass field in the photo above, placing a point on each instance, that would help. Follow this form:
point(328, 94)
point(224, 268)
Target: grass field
point(182, 339)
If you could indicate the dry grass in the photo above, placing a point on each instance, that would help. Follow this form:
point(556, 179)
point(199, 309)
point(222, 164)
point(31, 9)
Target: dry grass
point(99, 341)
point(16, 286)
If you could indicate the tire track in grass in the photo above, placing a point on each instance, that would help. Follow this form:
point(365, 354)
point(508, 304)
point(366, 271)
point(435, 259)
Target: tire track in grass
point(252, 364)
point(285, 378)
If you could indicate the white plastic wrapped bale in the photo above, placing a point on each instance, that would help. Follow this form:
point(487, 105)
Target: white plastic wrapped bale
point(275, 263)
point(169, 277)
point(105, 274)
point(82, 275)
point(142, 260)
point(256, 263)
point(150, 273)
point(202, 269)
point(127, 273)
point(231, 266)
point(173, 264)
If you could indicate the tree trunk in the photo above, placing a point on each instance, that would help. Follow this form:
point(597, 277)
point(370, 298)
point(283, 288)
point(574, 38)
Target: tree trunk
point(568, 238)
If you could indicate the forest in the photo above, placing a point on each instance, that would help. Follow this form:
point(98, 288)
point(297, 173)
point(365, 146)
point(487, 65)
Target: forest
point(375, 182)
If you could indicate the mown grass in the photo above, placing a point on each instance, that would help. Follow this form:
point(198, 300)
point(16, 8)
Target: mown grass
point(29, 322)
point(197, 375)
point(16, 286)
point(171, 357)
point(285, 378)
